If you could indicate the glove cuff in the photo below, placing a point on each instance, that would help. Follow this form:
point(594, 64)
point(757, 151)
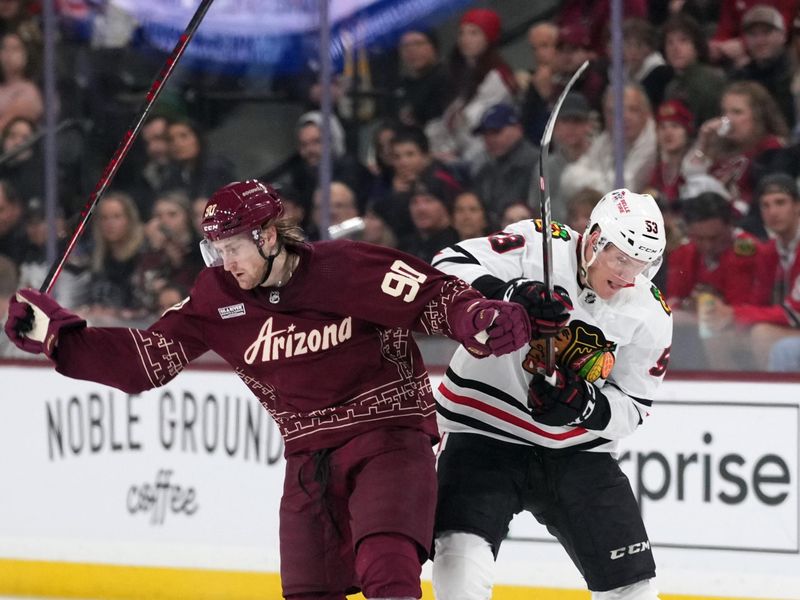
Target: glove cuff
point(61, 322)
point(597, 411)
point(512, 286)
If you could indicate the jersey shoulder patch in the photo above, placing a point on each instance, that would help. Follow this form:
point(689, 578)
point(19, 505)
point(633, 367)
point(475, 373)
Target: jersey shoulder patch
point(744, 246)
point(558, 231)
point(660, 298)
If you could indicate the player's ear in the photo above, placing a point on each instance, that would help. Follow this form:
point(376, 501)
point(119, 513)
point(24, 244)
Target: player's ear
point(270, 234)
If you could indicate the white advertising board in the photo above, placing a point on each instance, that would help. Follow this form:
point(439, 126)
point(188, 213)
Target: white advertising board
point(715, 468)
point(186, 475)
point(190, 475)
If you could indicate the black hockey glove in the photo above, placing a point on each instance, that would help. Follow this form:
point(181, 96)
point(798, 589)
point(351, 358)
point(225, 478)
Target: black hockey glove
point(547, 317)
point(568, 399)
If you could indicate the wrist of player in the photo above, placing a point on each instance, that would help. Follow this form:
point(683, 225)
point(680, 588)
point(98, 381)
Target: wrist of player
point(548, 312)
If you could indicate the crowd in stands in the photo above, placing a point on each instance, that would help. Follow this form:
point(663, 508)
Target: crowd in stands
point(711, 128)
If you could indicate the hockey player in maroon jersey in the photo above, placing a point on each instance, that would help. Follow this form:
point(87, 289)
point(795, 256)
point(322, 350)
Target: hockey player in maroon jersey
point(321, 334)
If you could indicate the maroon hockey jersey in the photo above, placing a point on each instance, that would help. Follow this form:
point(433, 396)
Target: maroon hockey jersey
point(329, 355)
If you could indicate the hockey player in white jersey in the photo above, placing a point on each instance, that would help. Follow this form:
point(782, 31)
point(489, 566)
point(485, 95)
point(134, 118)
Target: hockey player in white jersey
point(514, 440)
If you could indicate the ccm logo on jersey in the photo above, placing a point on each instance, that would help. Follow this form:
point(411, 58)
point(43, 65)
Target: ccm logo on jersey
point(628, 550)
point(229, 312)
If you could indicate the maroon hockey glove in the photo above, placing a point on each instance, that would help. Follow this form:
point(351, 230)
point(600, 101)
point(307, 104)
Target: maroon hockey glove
point(493, 327)
point(35, 321)
point(547, 317)
point(565, 398)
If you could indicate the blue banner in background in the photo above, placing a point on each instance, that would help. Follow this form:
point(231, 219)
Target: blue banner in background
point(276, 35)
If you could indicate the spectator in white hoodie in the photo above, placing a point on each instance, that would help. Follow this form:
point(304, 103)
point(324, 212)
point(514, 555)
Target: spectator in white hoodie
point(595, 169)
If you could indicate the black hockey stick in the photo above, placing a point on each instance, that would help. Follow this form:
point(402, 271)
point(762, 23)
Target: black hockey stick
point(544, 203)
point(127, 141)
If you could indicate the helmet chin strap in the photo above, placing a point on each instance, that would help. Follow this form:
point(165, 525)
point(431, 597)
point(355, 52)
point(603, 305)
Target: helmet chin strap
point(270, 262)
point(583, 268)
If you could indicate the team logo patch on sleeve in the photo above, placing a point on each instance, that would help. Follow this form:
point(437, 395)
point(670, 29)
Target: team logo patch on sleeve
point(558, 230)
point(660, 297)
point(744, 246)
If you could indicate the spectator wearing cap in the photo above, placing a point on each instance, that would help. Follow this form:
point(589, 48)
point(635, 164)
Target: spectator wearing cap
point(594, 16)
point(574, 48)
point(772, 311)
point(642, 61)
point(572, 137)
point(727, 46)
point(479, 79)
point(431, 208)
point(422, 91)
point(694, 82)
point(596, 168)
point(674, 131)
point(768, 62)
point(508, 174)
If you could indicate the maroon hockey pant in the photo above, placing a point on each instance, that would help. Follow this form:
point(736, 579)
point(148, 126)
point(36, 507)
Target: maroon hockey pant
point(358, 517)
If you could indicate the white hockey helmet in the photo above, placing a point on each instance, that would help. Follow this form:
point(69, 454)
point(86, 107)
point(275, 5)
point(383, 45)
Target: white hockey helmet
point(634, 224)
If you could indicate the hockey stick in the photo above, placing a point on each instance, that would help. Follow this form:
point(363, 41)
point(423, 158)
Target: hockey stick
point(544, 203)
point(127, 141)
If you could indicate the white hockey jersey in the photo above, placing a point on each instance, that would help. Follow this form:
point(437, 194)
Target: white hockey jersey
point(621, 345)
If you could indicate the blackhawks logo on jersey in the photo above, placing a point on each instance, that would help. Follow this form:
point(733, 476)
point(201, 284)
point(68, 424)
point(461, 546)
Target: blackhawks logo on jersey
point(559, 231)
point(660, 297)
point(580, 347)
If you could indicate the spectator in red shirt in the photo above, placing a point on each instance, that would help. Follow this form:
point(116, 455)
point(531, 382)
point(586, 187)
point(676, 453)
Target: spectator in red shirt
point(718, 263)
point(772, 311)
point(717, 258)
point(726, 146)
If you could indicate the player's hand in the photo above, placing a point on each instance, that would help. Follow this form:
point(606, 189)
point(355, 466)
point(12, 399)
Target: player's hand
point(493, 327)
point(547, 317)
point(565, 398)
point(35, 321)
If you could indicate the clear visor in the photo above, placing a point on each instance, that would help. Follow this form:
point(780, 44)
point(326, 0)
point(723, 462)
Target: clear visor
point(620, 265)
point(236, 247)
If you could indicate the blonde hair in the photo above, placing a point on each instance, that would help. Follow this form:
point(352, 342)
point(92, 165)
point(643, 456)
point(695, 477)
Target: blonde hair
point(134, 239)
point(288, 232)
